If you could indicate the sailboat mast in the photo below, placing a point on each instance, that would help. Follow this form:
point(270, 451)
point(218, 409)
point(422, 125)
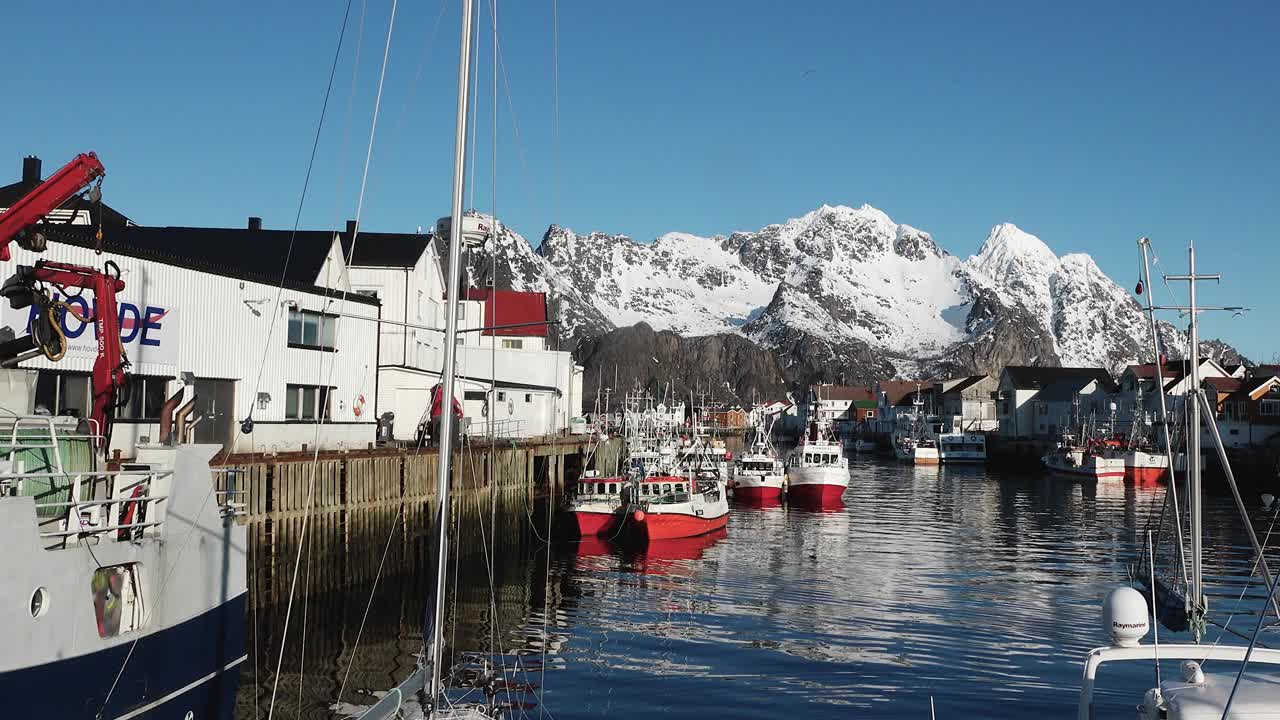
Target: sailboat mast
point(454, 275)
point(1193, 441)
point(1145, 244)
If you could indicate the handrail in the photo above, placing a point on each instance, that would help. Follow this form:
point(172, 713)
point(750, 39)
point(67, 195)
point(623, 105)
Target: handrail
point(91, 503)
point(1184, 651)
point(99, 530)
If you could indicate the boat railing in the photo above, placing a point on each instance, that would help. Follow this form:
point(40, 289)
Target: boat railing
point(1171, 651)
point(123, 502)
point(230, 493)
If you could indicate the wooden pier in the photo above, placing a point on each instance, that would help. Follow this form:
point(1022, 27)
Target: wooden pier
point(361, 505)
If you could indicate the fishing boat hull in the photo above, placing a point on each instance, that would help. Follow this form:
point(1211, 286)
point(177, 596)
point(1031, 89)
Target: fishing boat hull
point(160, 677)
point(925, 456)
point(590, 523)
point(641, 526)
point(91, 647)
point(1145, 468)
point(1087, 467)
point(817, 485)
point(754, 488)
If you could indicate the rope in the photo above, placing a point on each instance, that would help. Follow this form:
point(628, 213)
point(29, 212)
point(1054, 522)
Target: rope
point(159, 594)
point(297, 219)
point(315, 460)
point(386, 549)
point(1253, 571)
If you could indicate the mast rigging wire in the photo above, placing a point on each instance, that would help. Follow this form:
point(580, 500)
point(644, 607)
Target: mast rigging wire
point(297, 218)
point(315, 460)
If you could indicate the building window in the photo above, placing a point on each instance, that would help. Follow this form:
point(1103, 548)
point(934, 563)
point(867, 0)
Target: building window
point(528, 397)
point(871, 414)
point(1043, 408)
point(1270, 408)
point(512, 343)
point(62, 394)
point(306, 402)
point(462, 311)
point(146, 397)
point(473, 395)
point(311, 330)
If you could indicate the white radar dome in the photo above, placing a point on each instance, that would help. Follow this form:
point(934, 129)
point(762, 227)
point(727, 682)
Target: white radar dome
point(475, 229)
point(1124, 613)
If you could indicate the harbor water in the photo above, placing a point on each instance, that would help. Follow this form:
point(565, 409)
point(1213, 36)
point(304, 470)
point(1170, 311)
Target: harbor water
point(971, 590)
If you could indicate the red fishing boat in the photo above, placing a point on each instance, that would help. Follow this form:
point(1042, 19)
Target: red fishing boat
point(663, 507)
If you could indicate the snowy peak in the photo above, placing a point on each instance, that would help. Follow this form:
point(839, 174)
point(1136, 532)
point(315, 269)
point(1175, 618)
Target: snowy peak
point(840, 289)
point(1009, 250)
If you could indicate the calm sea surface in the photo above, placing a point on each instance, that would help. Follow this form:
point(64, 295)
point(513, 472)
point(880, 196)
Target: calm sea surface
point(977, 589)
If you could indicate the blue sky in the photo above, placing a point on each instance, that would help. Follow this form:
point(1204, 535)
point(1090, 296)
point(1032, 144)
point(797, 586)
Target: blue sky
point(1086, 124)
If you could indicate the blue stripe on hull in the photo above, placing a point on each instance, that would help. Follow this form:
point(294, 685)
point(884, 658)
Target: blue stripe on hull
point(163, 663)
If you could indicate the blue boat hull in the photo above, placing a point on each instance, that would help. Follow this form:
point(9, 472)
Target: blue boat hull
point(191, 667)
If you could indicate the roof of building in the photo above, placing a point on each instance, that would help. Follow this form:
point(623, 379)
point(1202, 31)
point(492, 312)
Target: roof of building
point(1264, 371)
point(900, 392)
point(1147, 371)
point(843, 392)
point(966, 383)
point(1224, 384)
point(512, 307)
point(1255, 388)
point(1024, 377)
point(396, 250)
point(256, 255)
point(32, 176)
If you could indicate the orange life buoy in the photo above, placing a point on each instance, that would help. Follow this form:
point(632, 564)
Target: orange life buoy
point(358, 407)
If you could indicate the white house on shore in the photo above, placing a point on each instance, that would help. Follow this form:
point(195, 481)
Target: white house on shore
point(509, 381)
point(1044, 402)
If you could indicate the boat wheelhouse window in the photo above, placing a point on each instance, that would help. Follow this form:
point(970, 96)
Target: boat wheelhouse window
point(600, 488)
point(680, 488)
point(644, 489)
point(666, 488)
point(613, 488)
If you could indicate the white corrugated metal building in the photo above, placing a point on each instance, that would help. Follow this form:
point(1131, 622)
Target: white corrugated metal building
point(266, 324)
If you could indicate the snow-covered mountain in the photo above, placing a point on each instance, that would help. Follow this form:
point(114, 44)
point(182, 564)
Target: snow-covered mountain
point(840, 293)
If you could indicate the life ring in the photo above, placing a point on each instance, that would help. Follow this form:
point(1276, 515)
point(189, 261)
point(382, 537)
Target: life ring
point(132, 512)
point(358, 406)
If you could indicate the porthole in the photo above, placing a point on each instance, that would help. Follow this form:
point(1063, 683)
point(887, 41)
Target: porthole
point(39, 602)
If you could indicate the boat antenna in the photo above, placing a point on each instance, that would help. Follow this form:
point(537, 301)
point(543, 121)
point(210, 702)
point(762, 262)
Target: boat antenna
point(450, 349)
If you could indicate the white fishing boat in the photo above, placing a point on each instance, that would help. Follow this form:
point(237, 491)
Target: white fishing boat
point(1088, 461)
point(817, 470)
point(125, 586)
point(961, 447)
point(913, 442)
point(1241, 681)
point(760, 474)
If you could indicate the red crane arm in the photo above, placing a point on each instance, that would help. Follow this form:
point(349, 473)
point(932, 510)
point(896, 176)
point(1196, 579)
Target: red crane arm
point(47, 196)
point(109, 366)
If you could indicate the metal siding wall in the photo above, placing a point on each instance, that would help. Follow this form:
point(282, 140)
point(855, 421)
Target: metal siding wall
point(221, 337)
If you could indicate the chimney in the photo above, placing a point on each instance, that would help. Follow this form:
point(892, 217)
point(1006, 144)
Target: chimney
point(351, 227)
point(31, 169)
point(255, 223)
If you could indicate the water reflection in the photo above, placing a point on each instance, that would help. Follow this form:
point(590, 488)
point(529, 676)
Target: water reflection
point(977, 588)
